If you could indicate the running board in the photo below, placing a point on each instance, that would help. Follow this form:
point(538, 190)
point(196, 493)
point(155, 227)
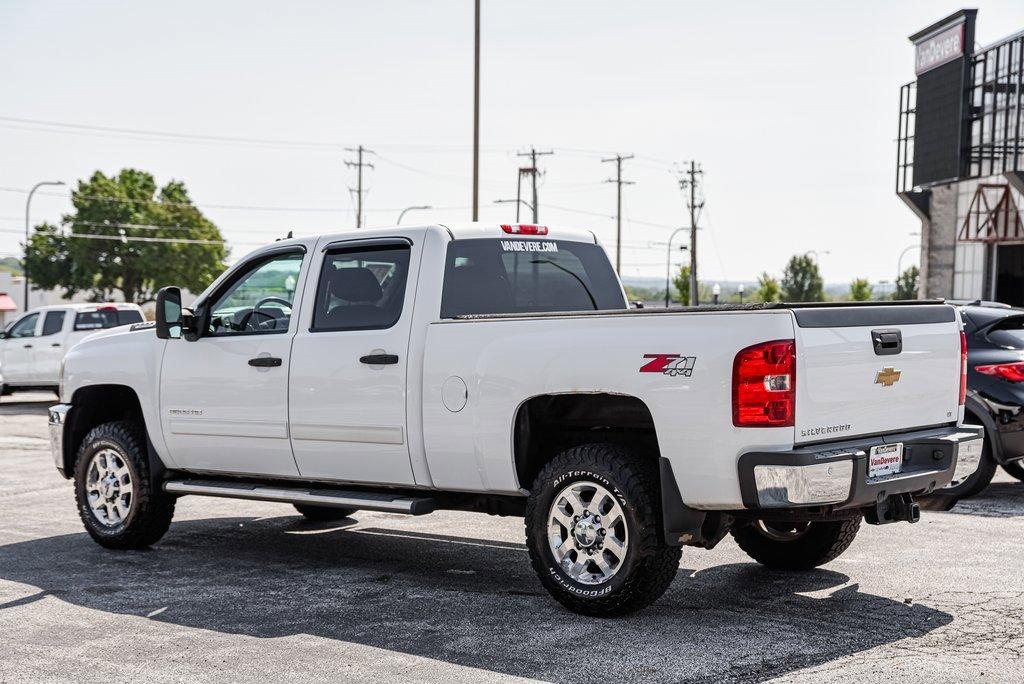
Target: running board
point(334, 498)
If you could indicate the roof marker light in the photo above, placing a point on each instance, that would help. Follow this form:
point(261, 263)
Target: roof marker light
point(524, 229)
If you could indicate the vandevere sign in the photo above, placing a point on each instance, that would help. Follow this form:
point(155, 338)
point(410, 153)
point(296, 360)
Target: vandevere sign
point(939, 48)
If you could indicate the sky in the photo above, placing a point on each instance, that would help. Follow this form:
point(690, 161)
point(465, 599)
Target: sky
point(789, 107)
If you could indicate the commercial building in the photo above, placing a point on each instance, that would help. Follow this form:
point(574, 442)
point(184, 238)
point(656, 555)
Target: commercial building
point(960, 160)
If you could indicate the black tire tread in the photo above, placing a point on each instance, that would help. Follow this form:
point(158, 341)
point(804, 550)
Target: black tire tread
point(154, 509)
point(657, 562)
point(822, 543)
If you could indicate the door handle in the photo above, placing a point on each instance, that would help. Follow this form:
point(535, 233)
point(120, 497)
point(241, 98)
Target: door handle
point(379, 359)
point(26, 346)
point(265, 362)
point(55, 344)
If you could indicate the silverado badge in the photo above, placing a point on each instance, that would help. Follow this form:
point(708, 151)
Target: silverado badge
point(887, 377)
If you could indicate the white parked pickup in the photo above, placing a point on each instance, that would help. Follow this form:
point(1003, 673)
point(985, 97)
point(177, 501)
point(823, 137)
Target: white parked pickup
point(498, 368)
point(32, 348)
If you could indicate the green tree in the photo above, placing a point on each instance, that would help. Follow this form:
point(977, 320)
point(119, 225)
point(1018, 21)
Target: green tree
point(768, 289)
point(682, 283)
point(801, 281)
point(906, 284)
point(126, 235)
point(860, 290)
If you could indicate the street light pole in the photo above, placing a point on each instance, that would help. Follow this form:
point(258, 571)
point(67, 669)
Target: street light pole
point(423, 207)
point(28, 206)
point(517, 201)
point(668, 265)
point(476, 110)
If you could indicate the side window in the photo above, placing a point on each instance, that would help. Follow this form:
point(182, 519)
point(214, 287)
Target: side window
point(26, 327)
point(361, 288)
point(53, 322)
point(260, 299)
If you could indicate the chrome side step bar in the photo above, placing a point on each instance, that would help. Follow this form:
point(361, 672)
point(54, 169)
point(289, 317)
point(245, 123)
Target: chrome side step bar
point(335, 498)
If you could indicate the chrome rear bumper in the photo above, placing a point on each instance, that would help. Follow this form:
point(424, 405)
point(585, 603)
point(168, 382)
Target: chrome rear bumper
point(836, 474)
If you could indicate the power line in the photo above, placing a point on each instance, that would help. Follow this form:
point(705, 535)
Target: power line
point(358, 165)
point(618, 159)
point(532, 171)
point(691, 181)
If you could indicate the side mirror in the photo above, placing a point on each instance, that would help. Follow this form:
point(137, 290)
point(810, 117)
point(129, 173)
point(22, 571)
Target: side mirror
point(168, 313)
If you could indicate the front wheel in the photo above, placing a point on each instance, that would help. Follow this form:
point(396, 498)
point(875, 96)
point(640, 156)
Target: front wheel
point(120, 505)
point(795, 545)
point(593, 531)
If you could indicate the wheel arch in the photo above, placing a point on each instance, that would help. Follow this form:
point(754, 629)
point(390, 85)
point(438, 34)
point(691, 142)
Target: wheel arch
point(94, 405)
point(544, 425)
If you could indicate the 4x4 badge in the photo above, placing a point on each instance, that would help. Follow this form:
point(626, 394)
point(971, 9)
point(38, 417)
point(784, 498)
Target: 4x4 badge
point(887, 377)
point(669, 364)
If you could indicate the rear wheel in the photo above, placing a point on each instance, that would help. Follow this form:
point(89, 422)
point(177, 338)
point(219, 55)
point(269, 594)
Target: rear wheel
point(593, 531)
point(120, 505)
point(323, 513)
point(795, 546)
point(1015, 468)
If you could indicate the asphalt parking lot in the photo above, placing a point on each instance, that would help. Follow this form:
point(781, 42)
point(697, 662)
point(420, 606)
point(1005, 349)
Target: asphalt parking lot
point(251, 591)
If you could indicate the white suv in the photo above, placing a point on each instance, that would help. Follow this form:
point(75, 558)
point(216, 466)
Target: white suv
point(31, 350)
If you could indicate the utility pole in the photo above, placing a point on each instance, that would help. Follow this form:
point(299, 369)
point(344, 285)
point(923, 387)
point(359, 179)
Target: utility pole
point(532, 171)
point(476, 110)
point(359, 164)
point(692, 182)
point(618, 159)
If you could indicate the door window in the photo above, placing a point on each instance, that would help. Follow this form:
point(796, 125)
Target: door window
point(361, 288)
point(26, 327)
point(259, 300)
point(53, 322)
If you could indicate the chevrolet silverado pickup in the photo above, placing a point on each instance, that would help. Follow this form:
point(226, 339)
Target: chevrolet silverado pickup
point(500, 369)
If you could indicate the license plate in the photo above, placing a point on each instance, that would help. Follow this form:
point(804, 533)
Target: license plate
point(886, 459)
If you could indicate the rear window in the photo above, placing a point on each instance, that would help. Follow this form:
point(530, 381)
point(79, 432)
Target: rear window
point(490, 276)
point(1008, 332)
point(107, 318)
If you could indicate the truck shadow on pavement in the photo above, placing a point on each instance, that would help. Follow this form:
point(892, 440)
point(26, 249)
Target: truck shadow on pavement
point(467, 601)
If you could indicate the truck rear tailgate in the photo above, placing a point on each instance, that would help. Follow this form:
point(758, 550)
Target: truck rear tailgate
point(873, 369)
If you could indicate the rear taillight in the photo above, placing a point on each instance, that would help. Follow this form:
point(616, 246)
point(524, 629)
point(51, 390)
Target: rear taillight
point(1014, 372)
point(764, 385)
point(963, 368)
point(524, 229)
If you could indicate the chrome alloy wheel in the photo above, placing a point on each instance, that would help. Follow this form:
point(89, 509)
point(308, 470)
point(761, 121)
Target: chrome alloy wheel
point(782, 532)
point(587, 533)
point(108, 487)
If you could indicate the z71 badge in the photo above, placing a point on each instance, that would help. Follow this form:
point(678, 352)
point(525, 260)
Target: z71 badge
point(669, 364)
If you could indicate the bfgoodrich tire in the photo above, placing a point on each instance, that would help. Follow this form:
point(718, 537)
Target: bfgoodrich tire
point(323, 513)
point(593, 531)
point(120, 505)
point(796, 546)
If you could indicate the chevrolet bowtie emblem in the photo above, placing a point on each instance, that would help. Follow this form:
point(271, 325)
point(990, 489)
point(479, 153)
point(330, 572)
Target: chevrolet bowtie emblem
point(887, 377)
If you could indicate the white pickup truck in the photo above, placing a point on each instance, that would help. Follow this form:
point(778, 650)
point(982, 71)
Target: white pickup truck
point(32, 348)
point(499, 369)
